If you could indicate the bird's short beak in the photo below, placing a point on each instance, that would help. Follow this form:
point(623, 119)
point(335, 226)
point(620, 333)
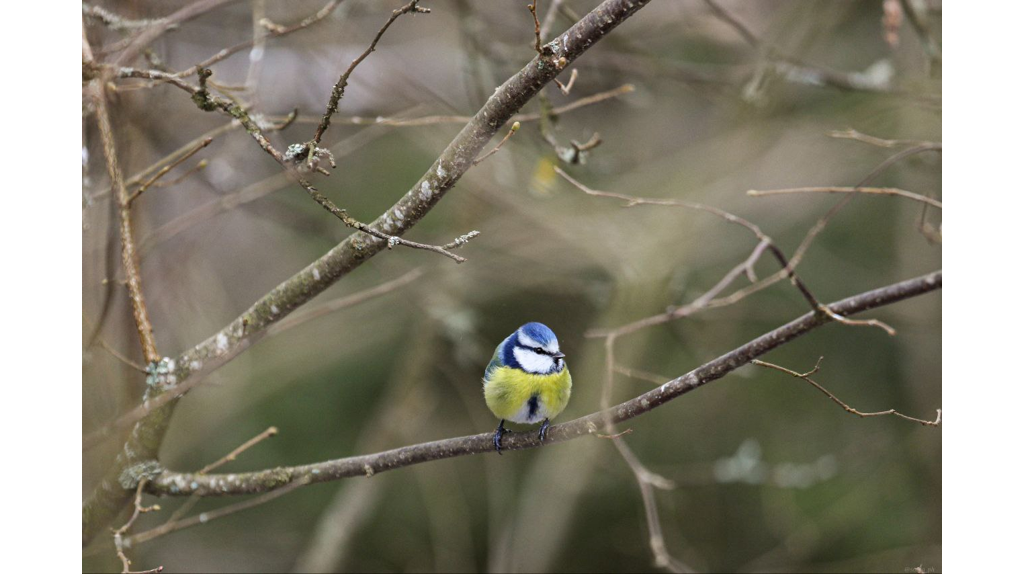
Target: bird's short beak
point(558, 355)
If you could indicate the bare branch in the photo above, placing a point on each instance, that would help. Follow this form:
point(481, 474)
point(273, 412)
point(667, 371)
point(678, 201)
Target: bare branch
point(807, 377)
point(313, 312)
point(549, 19)
point(272, 431)
point(536, 27)
point(205, 517)
point(567, 87)
point(274, 31)
point(512, 130)
point(878, 170)
point(115, 21)
point(852, 134)
point(147, 35)
point(119, 544)
point(646, 480)
point(339, 88)
point(142, 188)
point(787, 265)
point(128, 256)
point(642, 375)
point(865, 190)
point(295, 154)
point(120, 357)
point(184, 484)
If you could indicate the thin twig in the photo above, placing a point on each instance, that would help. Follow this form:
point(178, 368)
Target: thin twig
point(309, 313)
point(261, 189)
point(198, 167)
point(549, 19)
point(115, 21)
point(645, 478)
point(786, 264)
point(274, 31)
point(142, 188)
point(793, 69)
point(128, 255)
point(206, 517)
point(449, 119)
point(536, 27)
point(339, 88)
point(807, 377)
point(119, 542)
point(172, 523)
point(173, 156)
point(512, 130)
point(272, 431)
point(392, 240)
point(865, 190)
point(642, 375)
point(748, 35)
point(209, 102)
point(852, 134)
point(888, 162)
point(567, 87)
point(117, 355)
point(147, 35)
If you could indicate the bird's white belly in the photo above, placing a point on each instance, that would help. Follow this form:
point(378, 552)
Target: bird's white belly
point(522, 416)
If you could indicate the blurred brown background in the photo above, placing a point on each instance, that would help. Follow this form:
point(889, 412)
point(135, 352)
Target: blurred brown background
point(770, 475)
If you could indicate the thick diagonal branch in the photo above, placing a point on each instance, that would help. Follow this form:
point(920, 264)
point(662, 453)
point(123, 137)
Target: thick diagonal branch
point(178, 484)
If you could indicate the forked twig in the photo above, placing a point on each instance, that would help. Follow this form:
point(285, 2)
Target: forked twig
point(274, 31)
point(807, 377)
point(149, 182)
point(119, 541)
point(784, 262)
point(175, 522)
point(536, 26)
point(567, 87)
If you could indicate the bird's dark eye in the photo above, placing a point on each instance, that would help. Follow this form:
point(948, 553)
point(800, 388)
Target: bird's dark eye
point(538, 350)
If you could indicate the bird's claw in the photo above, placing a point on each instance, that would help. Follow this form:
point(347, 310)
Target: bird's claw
point(497, 436)
point(543, 430)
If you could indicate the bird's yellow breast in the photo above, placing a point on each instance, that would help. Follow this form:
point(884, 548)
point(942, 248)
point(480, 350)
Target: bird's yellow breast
point(508, 392)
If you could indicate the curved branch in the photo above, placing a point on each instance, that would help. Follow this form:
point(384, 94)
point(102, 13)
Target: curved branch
point(178, 484)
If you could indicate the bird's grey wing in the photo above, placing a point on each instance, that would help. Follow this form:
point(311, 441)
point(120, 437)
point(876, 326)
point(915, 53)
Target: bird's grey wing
point(496, 360)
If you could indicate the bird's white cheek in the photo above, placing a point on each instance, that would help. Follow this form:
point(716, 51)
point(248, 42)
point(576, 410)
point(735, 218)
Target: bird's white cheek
point(533, 362)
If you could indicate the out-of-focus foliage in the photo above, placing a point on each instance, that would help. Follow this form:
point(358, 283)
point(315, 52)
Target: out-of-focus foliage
point(770, 474)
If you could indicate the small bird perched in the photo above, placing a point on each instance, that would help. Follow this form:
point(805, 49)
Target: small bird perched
point(527, 381)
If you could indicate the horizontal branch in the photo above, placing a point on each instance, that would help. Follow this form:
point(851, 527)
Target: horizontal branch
point(865, 190)
point(178, 484)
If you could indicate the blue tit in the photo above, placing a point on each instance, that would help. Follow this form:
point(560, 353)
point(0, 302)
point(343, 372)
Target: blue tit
point(527, 380)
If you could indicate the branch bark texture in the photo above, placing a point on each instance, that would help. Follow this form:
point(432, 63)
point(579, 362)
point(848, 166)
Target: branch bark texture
point(177, 484)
